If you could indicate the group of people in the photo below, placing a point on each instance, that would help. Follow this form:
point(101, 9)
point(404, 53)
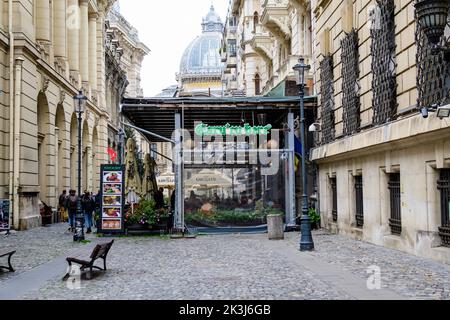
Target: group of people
point(68, 205)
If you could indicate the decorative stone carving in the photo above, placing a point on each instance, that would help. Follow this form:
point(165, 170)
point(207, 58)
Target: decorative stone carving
point(45, 84)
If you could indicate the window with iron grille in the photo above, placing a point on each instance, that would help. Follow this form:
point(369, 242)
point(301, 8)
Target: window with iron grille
point(327, 99)
point(350, 83)
point(334, 199)
point(359, 201)
point(444, 188)
point(432, 72)
point(384, 84)
point(395, 222)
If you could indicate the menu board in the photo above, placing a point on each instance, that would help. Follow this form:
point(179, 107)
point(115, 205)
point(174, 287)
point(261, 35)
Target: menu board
point(4, 215)
point(113, 196)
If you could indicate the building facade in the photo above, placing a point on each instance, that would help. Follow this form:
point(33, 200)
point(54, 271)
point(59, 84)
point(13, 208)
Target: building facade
point(384, 169)
point(263, 40)
point(50, 50)
point(130, 52)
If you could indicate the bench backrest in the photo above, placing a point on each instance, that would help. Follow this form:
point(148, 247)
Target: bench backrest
point(101, 250)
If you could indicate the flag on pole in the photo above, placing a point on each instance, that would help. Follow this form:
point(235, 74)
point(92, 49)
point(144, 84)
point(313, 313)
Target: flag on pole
point(112, 154)
point(298, 153)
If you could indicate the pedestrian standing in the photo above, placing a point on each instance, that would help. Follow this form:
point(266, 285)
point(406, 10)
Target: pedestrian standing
point(71, 207)
point(62, 206)
point(88, 206)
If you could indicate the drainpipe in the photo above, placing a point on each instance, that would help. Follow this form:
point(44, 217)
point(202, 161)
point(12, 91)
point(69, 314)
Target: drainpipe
point(11, 112)
point(17, 103)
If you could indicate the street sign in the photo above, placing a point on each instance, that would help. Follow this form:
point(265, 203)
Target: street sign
point(113, 199)
point(4, 215)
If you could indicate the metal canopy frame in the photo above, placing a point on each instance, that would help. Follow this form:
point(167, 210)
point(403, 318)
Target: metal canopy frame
point(159, 118)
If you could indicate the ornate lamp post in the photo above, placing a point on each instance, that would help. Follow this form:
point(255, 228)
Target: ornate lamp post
point(432, 18)
point(80, 103)
point(306, 241)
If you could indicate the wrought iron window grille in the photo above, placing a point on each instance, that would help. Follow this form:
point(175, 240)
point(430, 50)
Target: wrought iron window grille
point(395, 222)
point(359, 195)
point(433, 76)
point(350, 83)
point(327, 99)
point(444, 188)
point(384, 84)
point(334, 211)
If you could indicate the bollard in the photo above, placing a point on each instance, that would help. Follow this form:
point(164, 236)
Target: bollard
point(275, 226)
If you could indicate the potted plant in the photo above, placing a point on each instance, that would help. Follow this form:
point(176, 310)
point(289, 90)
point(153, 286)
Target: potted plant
point(315, 219)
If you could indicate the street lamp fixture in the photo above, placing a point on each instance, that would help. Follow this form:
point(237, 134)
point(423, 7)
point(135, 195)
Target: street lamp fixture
point(306, 240)
point(432, 17)
point(80, 106)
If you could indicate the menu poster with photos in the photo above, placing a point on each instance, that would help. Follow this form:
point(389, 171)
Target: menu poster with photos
point(4, 215)
point(113, 195)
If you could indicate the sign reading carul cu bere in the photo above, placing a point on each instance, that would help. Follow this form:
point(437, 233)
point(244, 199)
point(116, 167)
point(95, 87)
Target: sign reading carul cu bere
point(4, 215)
point(206, 130)
point(112, 195)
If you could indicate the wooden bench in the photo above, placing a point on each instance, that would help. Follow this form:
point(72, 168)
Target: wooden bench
point(100, 252)
point(8, 253)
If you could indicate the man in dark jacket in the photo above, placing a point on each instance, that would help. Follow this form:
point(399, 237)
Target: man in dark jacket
point(71, 206)
point(88, 206)
point(159, 198)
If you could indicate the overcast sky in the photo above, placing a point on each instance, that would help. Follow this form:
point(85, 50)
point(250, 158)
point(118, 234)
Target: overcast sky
point(166, 27)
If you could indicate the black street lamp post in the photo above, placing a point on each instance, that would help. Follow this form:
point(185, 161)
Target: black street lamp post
point(80, 101)
point(306, 241)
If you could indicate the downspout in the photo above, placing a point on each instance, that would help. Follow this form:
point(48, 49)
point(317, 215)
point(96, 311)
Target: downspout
point(11, 114)
point(17, 107)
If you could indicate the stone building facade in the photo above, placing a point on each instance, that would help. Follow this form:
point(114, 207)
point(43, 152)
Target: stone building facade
point(131, 53)
point(384, 170)
point(49, 51)
point(263, 40)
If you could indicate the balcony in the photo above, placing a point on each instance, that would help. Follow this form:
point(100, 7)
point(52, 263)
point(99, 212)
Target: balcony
point(275, 18)
point(231, 61)
point(262, 43)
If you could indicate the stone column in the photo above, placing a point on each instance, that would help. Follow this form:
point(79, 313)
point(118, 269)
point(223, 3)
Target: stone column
point(43, 20)
point(59, 33)
point(89, 168)
point(93, 52)
point(84, 41)
point(73, 37)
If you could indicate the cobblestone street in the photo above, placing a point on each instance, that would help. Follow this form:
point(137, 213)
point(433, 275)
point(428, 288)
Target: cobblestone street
point(224, 267)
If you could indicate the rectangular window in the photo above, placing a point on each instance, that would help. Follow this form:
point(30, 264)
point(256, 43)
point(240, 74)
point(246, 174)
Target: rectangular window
point(232, 47)
point(395, 222)
point(334, 199)
point(154, 147)
point(359, 201)
point(444, 188)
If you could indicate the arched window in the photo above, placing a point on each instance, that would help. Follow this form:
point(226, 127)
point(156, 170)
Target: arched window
point(255, 21)
point(257, 85)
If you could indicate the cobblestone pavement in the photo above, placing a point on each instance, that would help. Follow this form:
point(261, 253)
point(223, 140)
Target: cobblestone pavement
point(36, 247)
point(228, 267)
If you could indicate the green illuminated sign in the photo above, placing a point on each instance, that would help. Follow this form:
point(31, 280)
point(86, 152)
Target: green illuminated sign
point(247, 130)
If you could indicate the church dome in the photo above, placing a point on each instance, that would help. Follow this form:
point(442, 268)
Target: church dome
point(202, 56)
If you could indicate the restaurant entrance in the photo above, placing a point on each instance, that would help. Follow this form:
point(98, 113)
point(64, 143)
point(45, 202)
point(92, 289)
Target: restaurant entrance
point(234, 159)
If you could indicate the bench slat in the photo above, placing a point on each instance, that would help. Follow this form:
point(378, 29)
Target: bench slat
point(6, 252)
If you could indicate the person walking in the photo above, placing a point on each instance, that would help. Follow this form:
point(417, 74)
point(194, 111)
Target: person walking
point(71, 207)
point(62, 206)
point(159, 198)
point(88, 206)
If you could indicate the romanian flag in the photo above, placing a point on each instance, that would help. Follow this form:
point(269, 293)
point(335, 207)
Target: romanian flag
point(112, 154)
